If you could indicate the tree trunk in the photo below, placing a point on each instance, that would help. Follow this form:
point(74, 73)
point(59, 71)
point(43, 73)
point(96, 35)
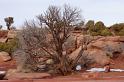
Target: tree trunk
point(8, 27)
point(65, 67)
point(77, 58)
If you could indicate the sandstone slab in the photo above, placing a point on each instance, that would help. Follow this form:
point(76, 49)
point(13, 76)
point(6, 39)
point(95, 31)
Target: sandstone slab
point(4, 56)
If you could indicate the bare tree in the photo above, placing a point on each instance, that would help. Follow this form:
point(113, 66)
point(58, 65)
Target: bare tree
point(58, 23)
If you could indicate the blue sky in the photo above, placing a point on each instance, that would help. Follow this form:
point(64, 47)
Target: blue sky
point(108, 11)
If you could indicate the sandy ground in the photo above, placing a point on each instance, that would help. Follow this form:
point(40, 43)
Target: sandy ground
point(76, 77)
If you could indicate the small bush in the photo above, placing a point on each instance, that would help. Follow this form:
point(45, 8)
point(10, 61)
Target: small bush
point(121, 33)
point(10, 46)
point(105, 32)
point(118, 29)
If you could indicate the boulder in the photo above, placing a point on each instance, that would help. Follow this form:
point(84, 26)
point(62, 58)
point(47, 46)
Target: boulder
point(97, 44)
point(13, 74)
point(4, 56)
point(98, 56)
point(3, 40)
point(105, 45)
point(102, 49)
point(109, 47)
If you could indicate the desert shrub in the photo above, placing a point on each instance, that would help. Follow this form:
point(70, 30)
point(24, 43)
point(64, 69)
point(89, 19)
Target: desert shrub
point(118, 29)
point(105, 32)
point(121, 33)
point(10, 46)
point(97, 28)
point(90, 25)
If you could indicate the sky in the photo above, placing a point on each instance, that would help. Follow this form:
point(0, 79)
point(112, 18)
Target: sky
point(108, 11)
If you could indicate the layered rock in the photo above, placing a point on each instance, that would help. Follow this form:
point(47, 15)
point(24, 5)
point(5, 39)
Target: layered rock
point(102, 49)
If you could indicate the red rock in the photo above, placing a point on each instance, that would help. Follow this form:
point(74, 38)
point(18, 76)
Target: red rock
point(98, 56)
point(13, 74)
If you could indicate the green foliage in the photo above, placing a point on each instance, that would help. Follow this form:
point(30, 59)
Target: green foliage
point(118, 29)
point(99, 26)
point(94, 33)
point(90, 25)
point(10, 46)
point(121, 33)
point(105, 32)
point(97, 29)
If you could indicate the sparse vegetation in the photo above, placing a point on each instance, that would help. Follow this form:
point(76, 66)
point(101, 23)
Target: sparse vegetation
point(10, 46)
point(118, 29)
point(97, 28)
point(106, 32)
